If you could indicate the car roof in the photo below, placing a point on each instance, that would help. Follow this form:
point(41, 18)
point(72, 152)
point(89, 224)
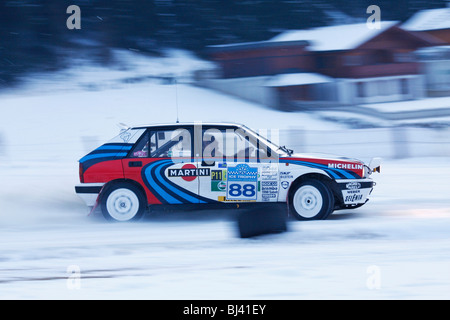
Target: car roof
point(180, 124)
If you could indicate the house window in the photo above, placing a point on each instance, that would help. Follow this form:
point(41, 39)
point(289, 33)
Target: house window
point(403, 57)
point(353, 60)
point(381, 85)
point(325, 62)
point(404, 85)
point(360, 89)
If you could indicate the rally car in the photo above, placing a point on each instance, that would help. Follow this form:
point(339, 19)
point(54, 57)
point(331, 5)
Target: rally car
point(216, 164)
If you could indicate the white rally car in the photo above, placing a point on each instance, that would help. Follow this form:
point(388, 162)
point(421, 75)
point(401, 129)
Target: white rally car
point(216, 164)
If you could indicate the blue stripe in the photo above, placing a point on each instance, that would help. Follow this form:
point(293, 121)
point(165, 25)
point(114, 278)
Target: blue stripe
point(103, 155)
point(166, 184)
point(177, 191)
point(332, 172)
point(155, 186)
point(119, 148)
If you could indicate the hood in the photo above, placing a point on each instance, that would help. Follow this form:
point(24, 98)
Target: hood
point(324, 156)
point(336, 166)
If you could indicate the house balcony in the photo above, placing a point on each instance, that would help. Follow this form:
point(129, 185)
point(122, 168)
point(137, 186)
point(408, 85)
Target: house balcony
point(377, 70)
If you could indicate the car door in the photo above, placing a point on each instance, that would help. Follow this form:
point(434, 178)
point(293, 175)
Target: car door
point(163, 163)
point(237, 172)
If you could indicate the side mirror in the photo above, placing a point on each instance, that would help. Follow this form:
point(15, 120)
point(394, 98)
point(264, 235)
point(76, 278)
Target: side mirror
point(375, 164)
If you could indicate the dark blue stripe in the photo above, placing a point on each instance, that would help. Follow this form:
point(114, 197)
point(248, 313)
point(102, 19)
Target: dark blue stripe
point(152, 184)
point(103, 155)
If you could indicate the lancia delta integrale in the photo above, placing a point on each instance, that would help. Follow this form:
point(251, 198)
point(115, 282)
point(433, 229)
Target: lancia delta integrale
point(216, 164)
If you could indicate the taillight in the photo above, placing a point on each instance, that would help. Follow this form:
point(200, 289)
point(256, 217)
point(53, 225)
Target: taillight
point(80, 171)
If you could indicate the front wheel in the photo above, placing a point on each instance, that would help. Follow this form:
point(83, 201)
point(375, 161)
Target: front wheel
point(311, 200)
point(122, 202)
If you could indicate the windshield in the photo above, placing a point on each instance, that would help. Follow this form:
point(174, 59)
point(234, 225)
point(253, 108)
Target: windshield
point(268, 142)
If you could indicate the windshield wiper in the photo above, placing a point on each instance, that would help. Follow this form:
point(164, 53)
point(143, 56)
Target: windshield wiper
point(288, 151)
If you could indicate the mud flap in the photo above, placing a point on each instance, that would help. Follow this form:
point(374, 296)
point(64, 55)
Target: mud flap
point(97, 202)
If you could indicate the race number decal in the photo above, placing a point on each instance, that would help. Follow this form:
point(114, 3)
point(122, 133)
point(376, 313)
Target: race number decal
point(242, 182)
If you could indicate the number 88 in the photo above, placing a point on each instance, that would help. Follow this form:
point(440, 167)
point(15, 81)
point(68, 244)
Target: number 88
point(247, 190)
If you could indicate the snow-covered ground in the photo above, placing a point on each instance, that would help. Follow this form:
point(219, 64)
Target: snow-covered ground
point(395, 247)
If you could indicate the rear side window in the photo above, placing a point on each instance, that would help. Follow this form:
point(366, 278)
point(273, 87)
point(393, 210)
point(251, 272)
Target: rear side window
point(171, 143)
point(141, 148)
point(164, 143)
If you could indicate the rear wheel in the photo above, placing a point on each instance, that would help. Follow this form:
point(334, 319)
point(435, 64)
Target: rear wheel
point(122, 202)
point(311, 200)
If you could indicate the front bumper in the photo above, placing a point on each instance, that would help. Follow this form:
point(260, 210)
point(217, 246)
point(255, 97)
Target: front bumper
point(355, 192)
point(89, 192)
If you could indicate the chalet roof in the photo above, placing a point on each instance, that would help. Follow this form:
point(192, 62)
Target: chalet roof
point(254, 45)
point(334, 38)
point(432, 19)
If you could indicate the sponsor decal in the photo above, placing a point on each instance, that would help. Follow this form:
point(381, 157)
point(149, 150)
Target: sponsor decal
point(218, 180)
point(242, 182)
point(353, 185)
point(346, 166)
point(353, 198)
point(269, 190)
point(285, 184)
point(355, 195)
point(224, 199)
point(330, 168)
point(222, 165)
point(164, 189)
point(269, 183)
point(286, 175)
point(189, 172)
point(269, 172)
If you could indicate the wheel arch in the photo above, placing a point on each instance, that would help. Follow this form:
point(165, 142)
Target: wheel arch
point(122, 180)
point(331, 183)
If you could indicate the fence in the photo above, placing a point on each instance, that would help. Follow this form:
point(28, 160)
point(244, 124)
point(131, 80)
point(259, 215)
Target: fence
point(388, 143)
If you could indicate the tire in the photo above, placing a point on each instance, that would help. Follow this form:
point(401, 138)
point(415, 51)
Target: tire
point(122, 202)
point(311, 200)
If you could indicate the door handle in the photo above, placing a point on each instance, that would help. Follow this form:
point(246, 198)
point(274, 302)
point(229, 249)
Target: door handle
point(135, 164)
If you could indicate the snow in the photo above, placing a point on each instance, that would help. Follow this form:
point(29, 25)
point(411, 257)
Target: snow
point(297, 79)
point(331, 38)
point(412, 105)
point(403, 231)
point(395, 247)
point(432, 19)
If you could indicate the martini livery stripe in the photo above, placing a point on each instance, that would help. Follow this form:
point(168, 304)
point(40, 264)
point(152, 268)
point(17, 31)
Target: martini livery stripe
point(165, 190)
point(108, 151)
point(336, 173)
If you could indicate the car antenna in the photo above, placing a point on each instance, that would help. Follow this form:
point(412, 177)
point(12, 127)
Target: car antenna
point(176, 97)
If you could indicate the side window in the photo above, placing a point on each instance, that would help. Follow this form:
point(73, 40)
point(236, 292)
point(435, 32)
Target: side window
point(141, 148)
point(170, 143)
point(212, 145)
point(229, 144)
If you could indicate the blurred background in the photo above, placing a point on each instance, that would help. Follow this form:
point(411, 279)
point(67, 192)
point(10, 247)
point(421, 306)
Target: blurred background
point(315, 70)
point(328, 76)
